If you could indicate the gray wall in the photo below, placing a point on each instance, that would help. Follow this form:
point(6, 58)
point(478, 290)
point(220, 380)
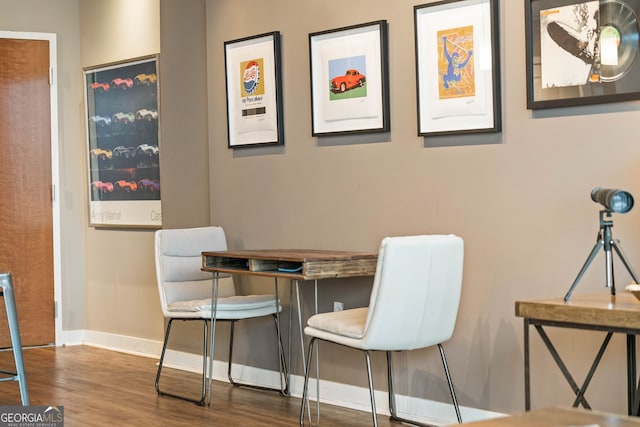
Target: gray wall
point(132, 30)
point(120, 281)
point(122, 296)
point(185, 148)
point(520, 200)
point(62, 18)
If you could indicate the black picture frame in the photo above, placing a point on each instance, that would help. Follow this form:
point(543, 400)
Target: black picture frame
point(254, 91)
point(122, 114)
point(581, 53)
point(355, 58)
point(458, 67)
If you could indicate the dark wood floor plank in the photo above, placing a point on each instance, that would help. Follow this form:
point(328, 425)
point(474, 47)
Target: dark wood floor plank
point(105, 388)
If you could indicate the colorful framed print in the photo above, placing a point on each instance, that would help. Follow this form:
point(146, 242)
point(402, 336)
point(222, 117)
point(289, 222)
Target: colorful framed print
point(581, 53)
point(457, 67)
point(254, 86)
point(349, 79)
point(123, 143)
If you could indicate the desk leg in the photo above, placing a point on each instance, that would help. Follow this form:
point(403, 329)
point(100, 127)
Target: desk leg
point(579, 392)
point(527, 375)
point(315, 293)
point(286, 387)
point(304, 362)
point(632, 395)
point(212, 331)
point(300, 328)
point(302, 352)
point(592, 370)
point(290, 328)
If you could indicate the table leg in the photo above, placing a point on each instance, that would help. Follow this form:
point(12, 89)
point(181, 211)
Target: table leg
point(300, 328)
point(632, 394)
point(286, 387)
point(592, 370)
point(527, 375)
point(212, 331)
point(556, 357)
point(304, 363)
point(302, 351)
point(290, 328)
point(315, 293)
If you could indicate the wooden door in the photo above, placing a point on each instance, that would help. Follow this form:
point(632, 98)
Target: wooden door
point(26, 212)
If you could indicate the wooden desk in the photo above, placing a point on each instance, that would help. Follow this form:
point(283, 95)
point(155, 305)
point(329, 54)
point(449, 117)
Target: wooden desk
point(602, 312)
point(295, 264)
point(556, 417)
point(292, 264)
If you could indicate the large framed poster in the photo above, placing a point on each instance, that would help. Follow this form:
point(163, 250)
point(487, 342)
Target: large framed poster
point(123, 147)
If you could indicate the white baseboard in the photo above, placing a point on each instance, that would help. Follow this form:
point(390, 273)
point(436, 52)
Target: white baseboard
point(343, 395)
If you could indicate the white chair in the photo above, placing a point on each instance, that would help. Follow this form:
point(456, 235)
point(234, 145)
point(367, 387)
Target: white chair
point(186, 294)
point(413, 304)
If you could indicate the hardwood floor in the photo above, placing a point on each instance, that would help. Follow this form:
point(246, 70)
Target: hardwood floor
point(105, 388)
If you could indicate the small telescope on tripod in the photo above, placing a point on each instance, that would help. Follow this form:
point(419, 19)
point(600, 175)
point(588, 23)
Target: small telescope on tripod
point(617, 201)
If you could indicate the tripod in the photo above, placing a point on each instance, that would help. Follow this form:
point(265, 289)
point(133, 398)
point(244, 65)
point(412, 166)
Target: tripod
point(606, 241)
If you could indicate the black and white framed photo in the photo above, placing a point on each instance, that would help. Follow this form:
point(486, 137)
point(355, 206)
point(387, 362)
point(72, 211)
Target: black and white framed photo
point(254, 86)
point(123, 143)
point(349, 79)
point(457, 67)
point(581, 53)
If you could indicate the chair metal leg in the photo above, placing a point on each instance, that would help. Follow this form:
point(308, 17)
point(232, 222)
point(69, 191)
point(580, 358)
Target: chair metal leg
point(305, 388)
point(284, 371)
point(282, 361)
point(371, 390)
point(232, 329)
point(390, 384)
point(451, 390)
point(199, 402)
point(392, 395)
point(16, 342)
point(299, 309)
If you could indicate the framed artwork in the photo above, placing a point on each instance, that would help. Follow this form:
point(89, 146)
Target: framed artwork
point(254, 87)
point(349, 79)
point(123, 147)
point(581, 53)
point(457, 67)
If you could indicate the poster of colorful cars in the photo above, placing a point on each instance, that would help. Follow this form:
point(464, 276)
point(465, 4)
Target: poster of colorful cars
point(123, 143)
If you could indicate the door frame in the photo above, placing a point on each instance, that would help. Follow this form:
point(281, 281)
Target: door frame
point(55, 170)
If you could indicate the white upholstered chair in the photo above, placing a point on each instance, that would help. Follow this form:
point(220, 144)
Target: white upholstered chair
point(186, 294)
point(413, 304)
